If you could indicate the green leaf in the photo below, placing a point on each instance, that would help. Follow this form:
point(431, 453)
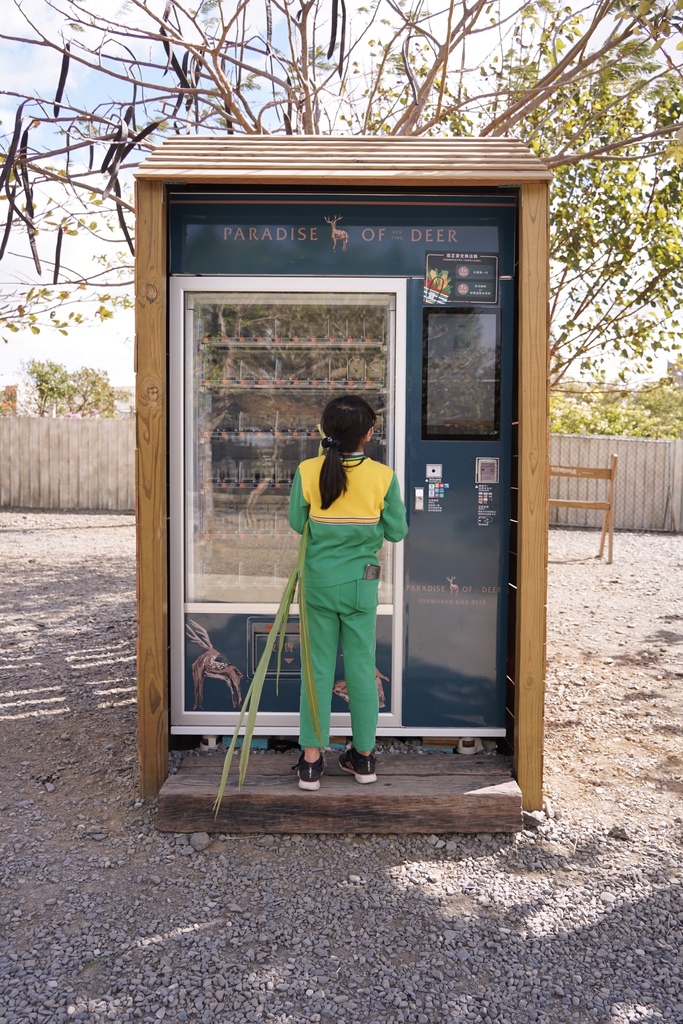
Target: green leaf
point(252, 699)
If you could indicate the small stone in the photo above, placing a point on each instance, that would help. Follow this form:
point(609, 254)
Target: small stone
point(355, 879)
point(619, 832)
point(50, 787)
point(608, 897)
point(533, 819)
point(200, 841)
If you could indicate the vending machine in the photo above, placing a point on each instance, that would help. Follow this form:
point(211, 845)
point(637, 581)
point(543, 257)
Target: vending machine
point(278, 302)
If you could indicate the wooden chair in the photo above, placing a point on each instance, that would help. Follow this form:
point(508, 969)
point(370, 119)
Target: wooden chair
point(607, 506)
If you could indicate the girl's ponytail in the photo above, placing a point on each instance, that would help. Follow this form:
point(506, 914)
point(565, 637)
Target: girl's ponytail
point(332, 474)
point(345, 422)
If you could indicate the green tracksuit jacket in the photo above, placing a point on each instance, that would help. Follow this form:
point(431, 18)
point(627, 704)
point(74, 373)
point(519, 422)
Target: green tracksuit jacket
point(348, 535)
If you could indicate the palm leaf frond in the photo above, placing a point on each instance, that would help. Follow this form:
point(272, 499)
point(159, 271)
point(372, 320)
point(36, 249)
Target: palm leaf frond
point(252, 698)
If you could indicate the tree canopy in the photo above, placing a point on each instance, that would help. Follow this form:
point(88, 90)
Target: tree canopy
point(594, 88)
point(53, 390)
point(653, 410)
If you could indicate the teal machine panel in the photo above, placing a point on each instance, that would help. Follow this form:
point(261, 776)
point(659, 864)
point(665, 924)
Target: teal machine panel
point(279, 302)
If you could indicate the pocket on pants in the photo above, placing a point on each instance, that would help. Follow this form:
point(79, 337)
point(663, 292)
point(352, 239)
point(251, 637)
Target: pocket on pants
point(367, 595)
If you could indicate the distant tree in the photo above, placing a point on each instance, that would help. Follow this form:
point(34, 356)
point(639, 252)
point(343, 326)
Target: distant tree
point(55, 391)
point(49, 387)
point(91, 393)
point(8, 400)
point(654, 411)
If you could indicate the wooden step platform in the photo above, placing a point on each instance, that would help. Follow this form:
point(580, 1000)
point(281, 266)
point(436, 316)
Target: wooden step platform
point(429, 793)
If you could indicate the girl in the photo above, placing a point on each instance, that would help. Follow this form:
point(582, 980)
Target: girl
point(352, 505)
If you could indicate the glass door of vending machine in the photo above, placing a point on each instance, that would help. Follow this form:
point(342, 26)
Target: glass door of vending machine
point(253, 363)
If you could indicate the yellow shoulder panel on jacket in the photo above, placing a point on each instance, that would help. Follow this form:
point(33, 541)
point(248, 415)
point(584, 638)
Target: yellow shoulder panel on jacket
point(363, 500)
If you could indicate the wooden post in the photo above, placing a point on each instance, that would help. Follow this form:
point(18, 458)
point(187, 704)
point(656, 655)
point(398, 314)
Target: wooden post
point(533, 494)
point(150, 486)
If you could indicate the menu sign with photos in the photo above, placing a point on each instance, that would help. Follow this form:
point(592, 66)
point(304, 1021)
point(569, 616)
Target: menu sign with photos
point(460, 277)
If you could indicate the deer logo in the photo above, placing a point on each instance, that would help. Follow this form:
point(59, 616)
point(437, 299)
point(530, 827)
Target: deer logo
point(340, 689)
point(337, 235)
point(454, 588)
point(211, 665)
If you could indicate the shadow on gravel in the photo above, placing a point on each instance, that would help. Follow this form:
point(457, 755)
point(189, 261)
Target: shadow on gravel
point(666, 636)
point(61, 591)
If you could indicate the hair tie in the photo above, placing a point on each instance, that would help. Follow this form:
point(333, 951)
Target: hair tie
point(329, 442)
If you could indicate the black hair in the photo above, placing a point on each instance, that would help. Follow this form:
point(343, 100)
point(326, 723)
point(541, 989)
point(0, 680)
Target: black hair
point(345, 422)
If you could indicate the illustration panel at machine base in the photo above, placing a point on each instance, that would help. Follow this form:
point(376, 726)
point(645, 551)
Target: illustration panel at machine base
point(223, 650)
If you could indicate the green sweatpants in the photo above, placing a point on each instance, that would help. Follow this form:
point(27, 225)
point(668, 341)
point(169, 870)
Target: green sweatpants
point(347, 611)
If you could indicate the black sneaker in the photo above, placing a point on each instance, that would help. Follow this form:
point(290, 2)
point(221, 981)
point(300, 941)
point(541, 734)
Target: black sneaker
point(360, 765)
point(309, 773)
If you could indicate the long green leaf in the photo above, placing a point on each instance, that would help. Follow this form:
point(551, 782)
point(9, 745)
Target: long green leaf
point(252, 699)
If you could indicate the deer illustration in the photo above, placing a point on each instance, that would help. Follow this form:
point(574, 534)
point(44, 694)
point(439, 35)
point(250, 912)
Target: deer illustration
point(211, 665)
point(341, 691)
point(337, 235)
point(454, 588)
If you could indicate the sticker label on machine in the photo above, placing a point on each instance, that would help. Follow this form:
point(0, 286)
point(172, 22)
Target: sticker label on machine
point(487, 476)
point(436, 488)
point(456, 277)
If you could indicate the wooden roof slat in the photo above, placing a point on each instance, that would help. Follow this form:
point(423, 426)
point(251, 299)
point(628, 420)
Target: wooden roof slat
point(353, 159)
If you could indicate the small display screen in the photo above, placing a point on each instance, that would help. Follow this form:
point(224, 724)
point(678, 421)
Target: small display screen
point(461, 374)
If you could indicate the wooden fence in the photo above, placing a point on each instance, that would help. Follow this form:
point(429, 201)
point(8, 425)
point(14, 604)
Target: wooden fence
point(90, 464)
point(649, 483)
point(67, 463)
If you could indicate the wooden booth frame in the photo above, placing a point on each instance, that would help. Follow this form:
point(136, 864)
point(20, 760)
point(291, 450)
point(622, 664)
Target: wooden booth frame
point(346, 163)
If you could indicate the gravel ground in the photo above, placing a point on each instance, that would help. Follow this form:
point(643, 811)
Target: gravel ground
point(578, 919)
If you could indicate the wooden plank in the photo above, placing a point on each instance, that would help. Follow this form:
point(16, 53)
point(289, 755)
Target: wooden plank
point(533, 494)
point(333, 163)
point(152, 512)
point(107, 464)
point(31, 441)
point(6, 431)
point(577, 503)
point(84, 487)
point(396, 803)
point(126, 489)
point(587, 472)
point(427, 765)
point(344, 143)
point(49, 444)
point(452, 176)
point(96, 459)
point(17, 429)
